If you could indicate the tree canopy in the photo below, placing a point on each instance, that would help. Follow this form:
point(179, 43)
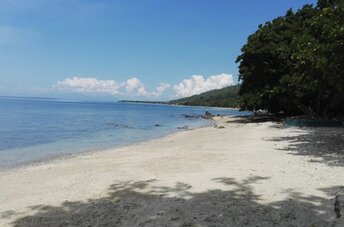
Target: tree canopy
point(295, 63)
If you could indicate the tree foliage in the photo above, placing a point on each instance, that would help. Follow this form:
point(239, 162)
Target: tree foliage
point(295, 63)
point(225, 97)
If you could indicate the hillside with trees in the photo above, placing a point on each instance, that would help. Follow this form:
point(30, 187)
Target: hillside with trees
point(225, 97)
point(295, 63)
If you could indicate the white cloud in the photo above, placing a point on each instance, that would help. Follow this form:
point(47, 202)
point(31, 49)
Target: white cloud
point(87, 85)
point(198, 84)
point(130, 87)
point(160, 89)
point(134, 86)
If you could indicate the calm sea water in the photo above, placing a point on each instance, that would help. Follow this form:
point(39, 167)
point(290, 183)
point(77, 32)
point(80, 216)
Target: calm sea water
point(33, 129)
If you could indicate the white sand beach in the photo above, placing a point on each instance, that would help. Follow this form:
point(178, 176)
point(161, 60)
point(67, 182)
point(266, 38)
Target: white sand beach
point(253, 174)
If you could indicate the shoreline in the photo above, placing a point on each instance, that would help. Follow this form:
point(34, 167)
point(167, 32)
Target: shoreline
point(242, 174)
point(179, 105)
point(59, 158)
point(62, 157)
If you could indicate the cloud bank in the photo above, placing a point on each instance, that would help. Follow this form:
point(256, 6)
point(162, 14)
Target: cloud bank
point(134, 86)
point(87, 85)
point(196, 84)
point(90, 85)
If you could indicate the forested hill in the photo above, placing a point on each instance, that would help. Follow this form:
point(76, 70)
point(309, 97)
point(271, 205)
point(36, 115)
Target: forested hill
point(225, 97)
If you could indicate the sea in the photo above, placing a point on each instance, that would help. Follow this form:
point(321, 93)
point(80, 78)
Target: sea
point(38, 129)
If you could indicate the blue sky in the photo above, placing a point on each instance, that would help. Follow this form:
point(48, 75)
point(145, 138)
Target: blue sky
point(146, 49)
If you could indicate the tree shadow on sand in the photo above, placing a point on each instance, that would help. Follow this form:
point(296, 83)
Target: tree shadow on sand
point(323, 145)
point(145, 204)
point(247, 119)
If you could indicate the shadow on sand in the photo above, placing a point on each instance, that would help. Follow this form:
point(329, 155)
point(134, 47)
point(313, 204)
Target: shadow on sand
point(254, 119)
point(323, 145)
point(145, 204)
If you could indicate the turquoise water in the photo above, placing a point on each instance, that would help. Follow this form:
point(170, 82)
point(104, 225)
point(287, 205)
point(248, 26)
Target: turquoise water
point(32, 129)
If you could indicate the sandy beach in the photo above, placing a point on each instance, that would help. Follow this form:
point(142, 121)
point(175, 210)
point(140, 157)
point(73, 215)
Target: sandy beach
point(232, 174)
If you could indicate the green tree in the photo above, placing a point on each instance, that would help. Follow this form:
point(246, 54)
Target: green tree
point(295, 62)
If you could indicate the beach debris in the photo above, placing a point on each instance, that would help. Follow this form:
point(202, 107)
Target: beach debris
point(339, 205)
point(191, 116)
point(260, 112)
point(220, 127)
point(185, 127)
point(207, 115)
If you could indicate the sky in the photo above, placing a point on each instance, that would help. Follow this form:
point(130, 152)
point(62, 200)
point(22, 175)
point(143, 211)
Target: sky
point(126, 49)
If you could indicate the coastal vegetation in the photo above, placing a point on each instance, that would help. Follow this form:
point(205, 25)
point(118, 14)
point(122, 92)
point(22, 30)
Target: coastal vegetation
point(295, 63)
point(225, 97)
